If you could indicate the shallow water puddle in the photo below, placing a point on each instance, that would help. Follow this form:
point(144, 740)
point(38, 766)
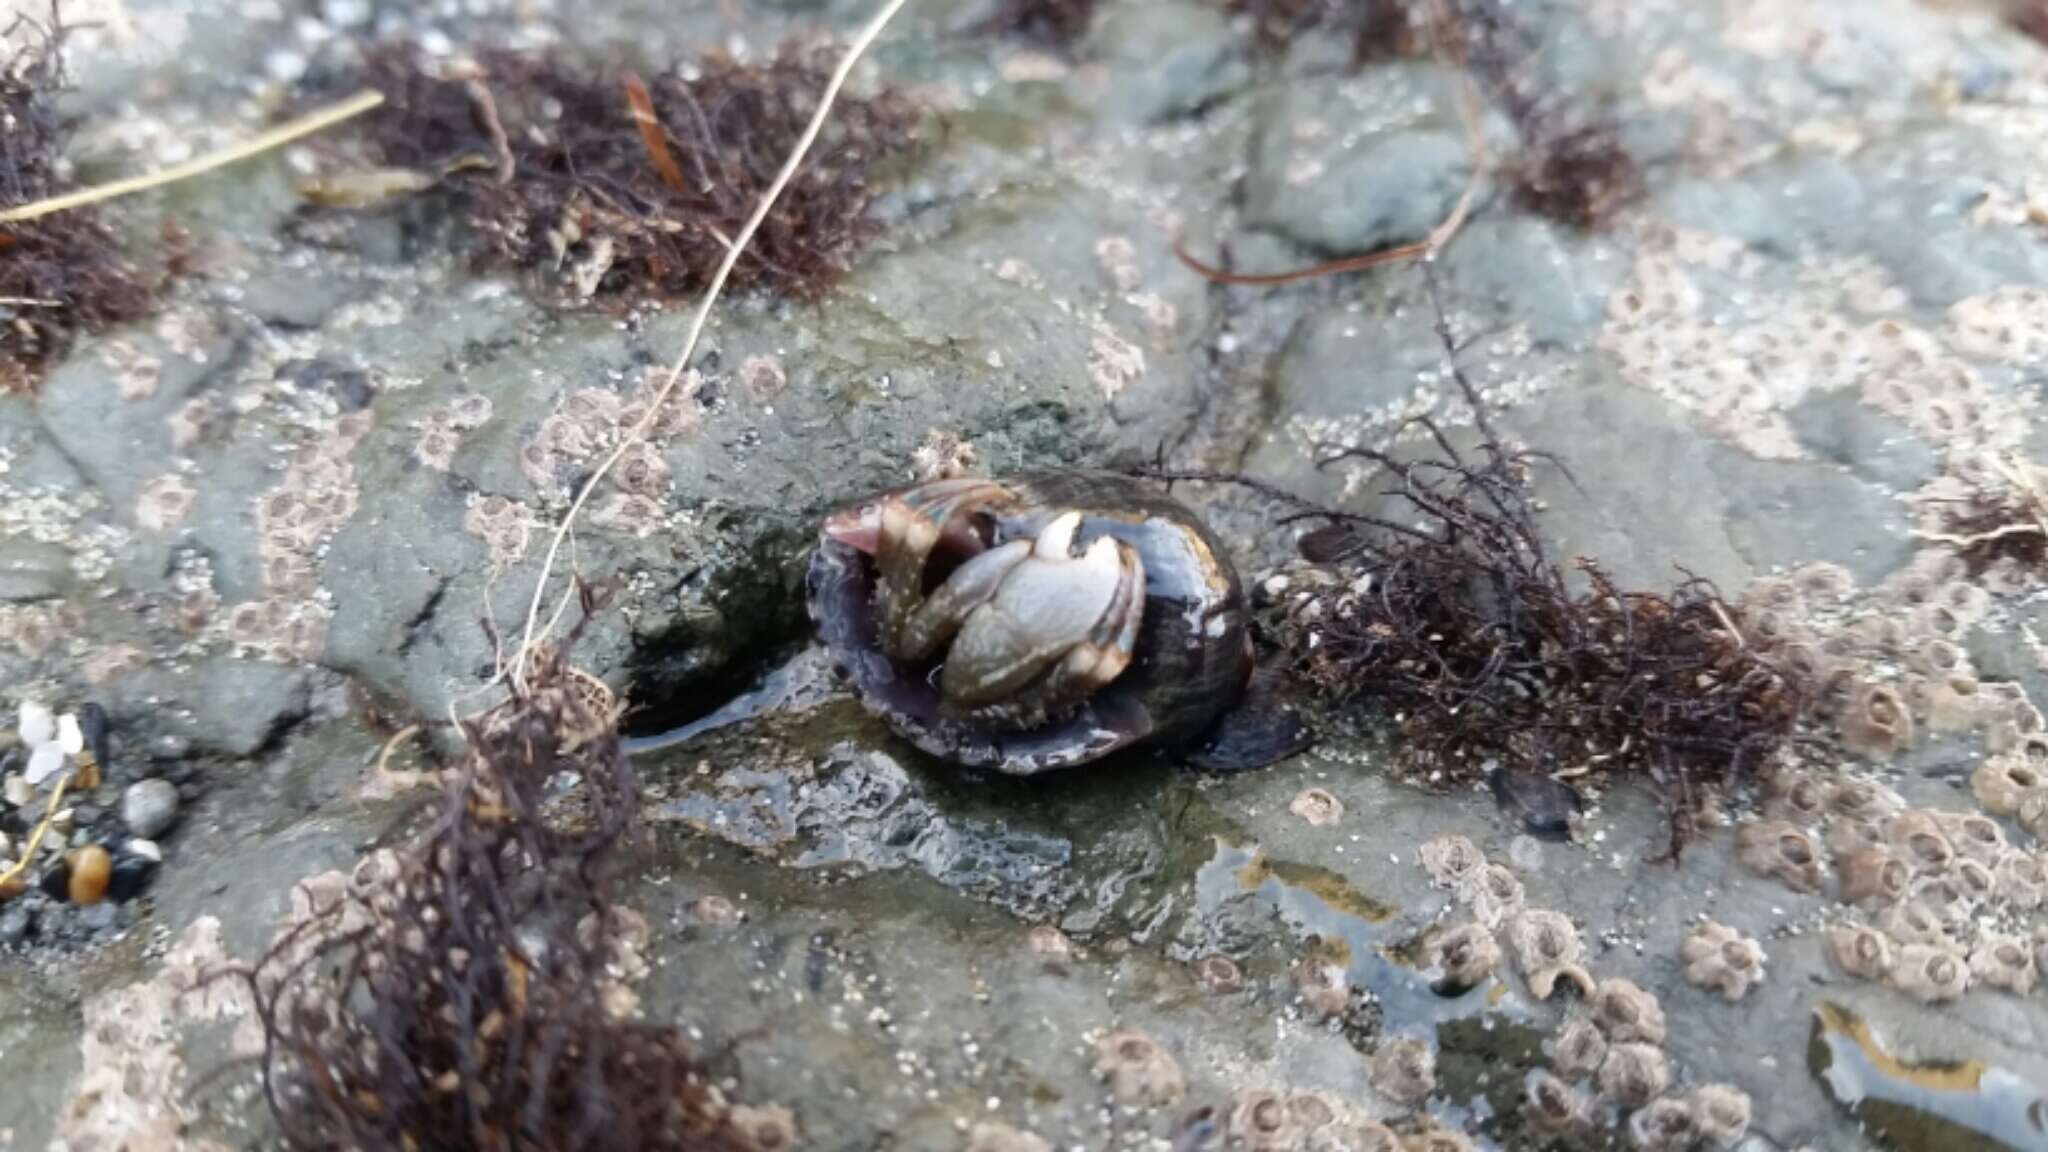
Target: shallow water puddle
point(1935, 1106)
point(1348, 927)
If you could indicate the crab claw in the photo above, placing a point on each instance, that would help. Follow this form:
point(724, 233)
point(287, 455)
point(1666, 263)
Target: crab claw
point(1057, 627)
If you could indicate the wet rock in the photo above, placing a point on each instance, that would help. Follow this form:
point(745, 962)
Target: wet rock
point(31, 570)
point(17, 920)
point(135, 865)
point(222, 704)
point(1394, 161)
point(1168, 59)
point(149, 808)
point(1840, 428)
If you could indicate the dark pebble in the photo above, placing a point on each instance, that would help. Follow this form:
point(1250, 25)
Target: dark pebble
point(87, 815)
point(99, 733)
point(133, 872)
point(56, 883)
point(1545, 807)
point(17, 920)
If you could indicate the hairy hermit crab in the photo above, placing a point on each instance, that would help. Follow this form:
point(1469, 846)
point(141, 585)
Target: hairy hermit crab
point(1042, 621)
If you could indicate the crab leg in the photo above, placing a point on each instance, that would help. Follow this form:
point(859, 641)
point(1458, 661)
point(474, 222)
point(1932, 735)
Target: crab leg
point(913, 522)
point(969, 587)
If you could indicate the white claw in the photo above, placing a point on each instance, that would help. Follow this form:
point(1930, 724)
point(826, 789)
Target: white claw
point(1056, 540)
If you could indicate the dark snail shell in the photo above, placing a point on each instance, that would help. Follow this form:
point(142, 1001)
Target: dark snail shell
point(1190, 662)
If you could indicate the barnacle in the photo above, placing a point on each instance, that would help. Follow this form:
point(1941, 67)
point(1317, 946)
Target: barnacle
point(1949, 899)
point(1141, 1074)
point(2002, 782)
point(1219, 974)
point(1973, 836)
point(1261, 1122)
point(1875, 722)
point(1355, 1135)
point(1718, 957)
point(1466, 955)
point(1853, 799)
point(1666, 1125)
point(1873, 877)
point(1493, 893)
point(1451, 860)
point(1822, 582)
point(1779, 850)
point(1552, 1104)
point(1845, 838)
point(1324, 987)
point(1862, 952)
point(2021, 881)
point(1723, 1113)
point(1310, 1111)
point(1954, 703)
point(1911, 921)
point(1434, 1137)
point(1921, 842)
point(1795, 798)
point(1578, 1049)
point(2004, 962)
point(1632, 1075)
point(1547, 948)
point(1626, 1012)
point(2033, 814)
point(1318, 807)
point(1930, 974)
point(1404, 1069)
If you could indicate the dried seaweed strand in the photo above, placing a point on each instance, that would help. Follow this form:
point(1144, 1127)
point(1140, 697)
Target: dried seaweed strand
point(270, 141)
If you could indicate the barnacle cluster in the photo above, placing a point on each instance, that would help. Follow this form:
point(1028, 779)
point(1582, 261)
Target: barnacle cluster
point(1718, 957)
point(295, 518)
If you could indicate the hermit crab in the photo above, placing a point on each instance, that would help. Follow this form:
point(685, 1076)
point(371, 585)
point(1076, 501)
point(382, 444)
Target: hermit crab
point(1042, 621)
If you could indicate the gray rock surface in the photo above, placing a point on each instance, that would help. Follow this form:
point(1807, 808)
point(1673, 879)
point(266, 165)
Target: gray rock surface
point(236, 525)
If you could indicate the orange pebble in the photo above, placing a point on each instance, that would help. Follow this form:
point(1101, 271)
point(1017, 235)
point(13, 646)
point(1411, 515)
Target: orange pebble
point(91, 868)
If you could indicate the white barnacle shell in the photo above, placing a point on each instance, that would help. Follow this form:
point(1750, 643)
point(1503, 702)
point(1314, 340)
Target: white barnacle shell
point(1860, 951)
point(1873, 877)
point(1547, 948)
point(1913, 922)
point(1920, 840)
point(1723, 1113)
point(1625, 1011)
point(1553, 1104)
point(1782, 851)
point(1578, 1049)
point(1493, 893)
point(1718, 957)
point(2004, 962)
point(1141, 1073)
point(1975, 836)
point(1404, 1069)
point(1466, 954)
point(1930, 974)
point(1634, 1074)
point(2002, 781)
point(1451, 860)
point(2021, 881)
point(1667, 1124)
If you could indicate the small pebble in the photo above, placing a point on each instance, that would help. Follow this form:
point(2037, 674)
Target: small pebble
point(16, 922)
point(149, 808)
point(135, 865)
point(18, 792)
point(91, 870)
